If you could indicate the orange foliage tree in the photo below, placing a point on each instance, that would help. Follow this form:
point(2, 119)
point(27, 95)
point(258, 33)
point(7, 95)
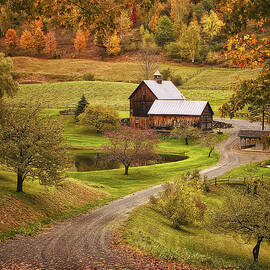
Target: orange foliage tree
point(80, 41)
point(50, 43)
point(11, 39)
point(39, 40)
point(27, 41)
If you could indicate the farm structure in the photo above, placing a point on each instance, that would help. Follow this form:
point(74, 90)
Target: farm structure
point(159, 104)
point(252, 139)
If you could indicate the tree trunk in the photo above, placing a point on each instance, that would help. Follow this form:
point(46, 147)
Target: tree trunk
point(186, 140)
point(263, 114)
point(211, 150)
point(256, 249)
point(126, 169)
point(19, 181)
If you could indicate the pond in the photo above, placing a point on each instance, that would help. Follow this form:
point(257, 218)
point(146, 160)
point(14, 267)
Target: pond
point(89, 161)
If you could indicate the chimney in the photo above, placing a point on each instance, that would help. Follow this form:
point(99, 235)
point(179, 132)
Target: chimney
point(157, 77)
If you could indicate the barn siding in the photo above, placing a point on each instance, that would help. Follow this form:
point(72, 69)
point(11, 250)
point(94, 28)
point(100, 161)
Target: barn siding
point(139, 122)
point(206, 119)
point(164, 121)
point(141, 101)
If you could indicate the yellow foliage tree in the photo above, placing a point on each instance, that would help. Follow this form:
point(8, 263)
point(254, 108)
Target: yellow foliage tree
point(113, 44)
point(212, 24)
point(39, 40)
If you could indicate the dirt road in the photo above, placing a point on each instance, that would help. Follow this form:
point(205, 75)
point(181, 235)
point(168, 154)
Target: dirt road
point(85, 240)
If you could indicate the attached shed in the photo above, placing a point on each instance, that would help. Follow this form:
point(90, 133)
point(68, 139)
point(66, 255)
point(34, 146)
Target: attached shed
point(252, 138)
point(159, 104)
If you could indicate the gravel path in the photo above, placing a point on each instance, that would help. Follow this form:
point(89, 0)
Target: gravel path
point(85, 240)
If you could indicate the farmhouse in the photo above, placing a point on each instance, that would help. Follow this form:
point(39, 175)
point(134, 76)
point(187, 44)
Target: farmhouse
point(159, 104)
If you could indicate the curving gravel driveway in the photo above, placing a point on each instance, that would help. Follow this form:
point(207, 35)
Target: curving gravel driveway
point(85, 240)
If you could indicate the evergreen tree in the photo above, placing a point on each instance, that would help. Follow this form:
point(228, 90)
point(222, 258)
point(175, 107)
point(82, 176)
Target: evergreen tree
point(164, 32)
point(81, 106)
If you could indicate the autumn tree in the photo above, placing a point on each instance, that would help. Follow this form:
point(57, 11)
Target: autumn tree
point(246, 48)
point(100, 117)
point(186, 131)
point(128, 145)
point(27, 41)
point(7, 84)
point(113, 44)
point(212, 24)
point(81, 106)
point(80, 41)
point(50, 43)
point(32, 146)
point(11, 40)
point(254, 93)
point(181, 201)
point(164, 32)
point(243, 213)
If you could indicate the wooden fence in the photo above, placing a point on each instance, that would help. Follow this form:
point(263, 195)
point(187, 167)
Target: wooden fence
point(232, 180)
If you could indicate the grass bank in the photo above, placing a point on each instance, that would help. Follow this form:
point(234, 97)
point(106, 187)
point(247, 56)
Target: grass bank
point(153, 233)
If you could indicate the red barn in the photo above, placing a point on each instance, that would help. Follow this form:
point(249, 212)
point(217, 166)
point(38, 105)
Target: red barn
point(159, 104)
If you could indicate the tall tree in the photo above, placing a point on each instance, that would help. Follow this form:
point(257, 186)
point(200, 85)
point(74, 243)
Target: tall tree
point(245, 214)
point(7, 84)
point(190, 41)
point(80, 41)
point(254, 93)
point(32, 146)
point(27, 41)
point(128, 145)
point(147, 55)
point(113, 44)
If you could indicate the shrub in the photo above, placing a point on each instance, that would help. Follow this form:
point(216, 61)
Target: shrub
point(211, 58)
point(177, 80)
point(166, 74)
point(88, 77)
point(181, 202)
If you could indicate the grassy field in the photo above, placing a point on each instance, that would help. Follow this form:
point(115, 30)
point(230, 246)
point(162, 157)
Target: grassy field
point(66, 69)
point(55, 95)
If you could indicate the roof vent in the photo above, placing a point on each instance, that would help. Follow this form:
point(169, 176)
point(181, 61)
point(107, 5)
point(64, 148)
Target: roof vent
point(157, 77)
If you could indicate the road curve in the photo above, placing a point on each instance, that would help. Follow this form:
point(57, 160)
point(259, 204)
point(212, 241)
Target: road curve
point(85, 239)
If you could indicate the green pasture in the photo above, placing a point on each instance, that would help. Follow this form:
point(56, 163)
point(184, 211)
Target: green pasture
point(57, 96)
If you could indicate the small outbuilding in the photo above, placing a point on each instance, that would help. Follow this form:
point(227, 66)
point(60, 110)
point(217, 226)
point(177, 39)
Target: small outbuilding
point(159, 104)
point(252, 138)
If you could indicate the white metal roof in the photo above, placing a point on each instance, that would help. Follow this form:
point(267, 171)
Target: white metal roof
point(177, 107)
point(164, 90)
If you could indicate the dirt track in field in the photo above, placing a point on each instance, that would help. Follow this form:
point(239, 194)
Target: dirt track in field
point(85, 241)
